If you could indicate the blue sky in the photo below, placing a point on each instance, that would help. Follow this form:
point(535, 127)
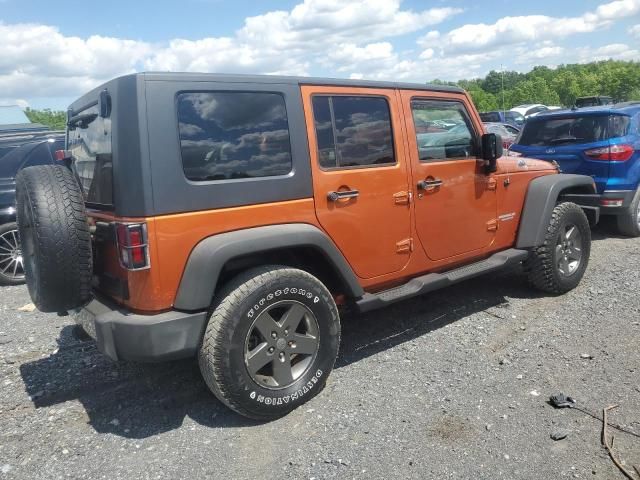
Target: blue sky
point(53, 52)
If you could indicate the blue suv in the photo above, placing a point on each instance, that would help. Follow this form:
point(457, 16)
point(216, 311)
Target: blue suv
point(602, 142)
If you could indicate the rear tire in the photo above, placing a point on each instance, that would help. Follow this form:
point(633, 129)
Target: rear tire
point(271, 341)
point(54, 233)
point(558, 265)
point(628, 222)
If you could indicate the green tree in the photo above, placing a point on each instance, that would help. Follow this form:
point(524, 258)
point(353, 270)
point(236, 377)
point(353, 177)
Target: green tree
point(55, 120)
point(484, 101)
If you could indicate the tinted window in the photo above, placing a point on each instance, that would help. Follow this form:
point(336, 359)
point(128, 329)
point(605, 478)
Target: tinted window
point(225, 135)
point(448, 132)
point(353, 131)
point(514, 117)
point(490, 117)
point(90, 146)
point(618, 126)
point(568, 130)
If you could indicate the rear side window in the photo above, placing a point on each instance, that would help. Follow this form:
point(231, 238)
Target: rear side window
point(443, 130)
point(573, 130)
point(228, 135)
point(89, 143)
point(353, 131)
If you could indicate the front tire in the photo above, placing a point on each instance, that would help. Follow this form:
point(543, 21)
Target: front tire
point(271, 341)
point(628, 222)
point(558, 265)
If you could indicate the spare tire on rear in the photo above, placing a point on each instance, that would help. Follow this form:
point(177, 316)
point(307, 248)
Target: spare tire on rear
point(55, 238)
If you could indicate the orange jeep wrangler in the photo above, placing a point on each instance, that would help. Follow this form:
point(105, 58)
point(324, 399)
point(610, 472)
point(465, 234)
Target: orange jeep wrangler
point(226, 217)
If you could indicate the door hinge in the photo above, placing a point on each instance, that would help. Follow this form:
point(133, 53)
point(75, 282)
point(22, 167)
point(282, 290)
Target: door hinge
point(405, 246)
point(402, 198)
point(492, 225)
point(492, 184)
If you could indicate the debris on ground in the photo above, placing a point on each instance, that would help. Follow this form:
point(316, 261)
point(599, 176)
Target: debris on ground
point(561, 400)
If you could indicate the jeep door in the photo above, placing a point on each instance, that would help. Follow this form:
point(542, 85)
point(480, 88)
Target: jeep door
point(360, 176)
point(455, 201)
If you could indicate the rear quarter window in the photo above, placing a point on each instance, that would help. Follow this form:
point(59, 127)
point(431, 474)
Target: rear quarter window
point(231, 135)
point(89, 143)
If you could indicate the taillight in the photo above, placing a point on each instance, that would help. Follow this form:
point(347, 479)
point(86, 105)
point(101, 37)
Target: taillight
point(133, 248)
point(613, 153)
point(62, 155)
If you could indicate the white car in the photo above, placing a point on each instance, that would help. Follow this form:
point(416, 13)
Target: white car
point(529, 110)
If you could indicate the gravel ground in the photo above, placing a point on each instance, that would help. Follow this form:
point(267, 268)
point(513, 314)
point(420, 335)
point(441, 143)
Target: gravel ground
point(450, 385)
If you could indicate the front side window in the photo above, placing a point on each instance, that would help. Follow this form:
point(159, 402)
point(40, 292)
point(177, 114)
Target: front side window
point(443, 130)
point(353, 131)
point(229, 135)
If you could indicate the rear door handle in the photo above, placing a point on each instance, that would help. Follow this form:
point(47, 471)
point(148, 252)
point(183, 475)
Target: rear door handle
point(429, 184)
point(342, 195)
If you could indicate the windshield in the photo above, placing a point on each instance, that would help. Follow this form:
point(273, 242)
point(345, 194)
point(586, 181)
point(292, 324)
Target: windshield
point(89, 143)
point(572, 130)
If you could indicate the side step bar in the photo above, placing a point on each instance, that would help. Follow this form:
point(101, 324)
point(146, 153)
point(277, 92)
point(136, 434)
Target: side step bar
point(434, 281)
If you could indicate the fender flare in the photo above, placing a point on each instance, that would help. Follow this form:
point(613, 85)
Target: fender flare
point(541, 199)
point(208, 258)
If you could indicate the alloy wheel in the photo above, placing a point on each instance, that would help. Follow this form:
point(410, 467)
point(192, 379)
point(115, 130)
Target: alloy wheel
point(569, 250)
point(281, 344)
point(11, 259)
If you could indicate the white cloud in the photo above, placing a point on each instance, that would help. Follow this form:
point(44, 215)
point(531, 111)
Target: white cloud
point(348, 38)
point(39, 60)
point(513, 30)
point(615, 51)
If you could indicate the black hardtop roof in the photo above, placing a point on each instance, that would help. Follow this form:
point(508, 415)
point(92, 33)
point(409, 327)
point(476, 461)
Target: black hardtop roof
point(340, 82)
point(262, 79)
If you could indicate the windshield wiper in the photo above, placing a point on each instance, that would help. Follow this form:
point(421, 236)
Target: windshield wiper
point(565, 140)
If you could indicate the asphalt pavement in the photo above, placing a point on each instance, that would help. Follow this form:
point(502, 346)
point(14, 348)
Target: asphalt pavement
point(454, 384)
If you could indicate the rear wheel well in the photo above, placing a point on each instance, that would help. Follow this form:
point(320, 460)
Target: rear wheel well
point(305, 258)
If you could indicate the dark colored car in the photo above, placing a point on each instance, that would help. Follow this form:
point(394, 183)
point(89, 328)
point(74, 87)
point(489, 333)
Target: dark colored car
point(582, 102)
point(602, 142)
point(512, 118)
point(17, 151)
point(509, 133)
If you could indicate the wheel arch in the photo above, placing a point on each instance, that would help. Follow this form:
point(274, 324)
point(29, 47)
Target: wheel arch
point(216, 259)
point(542, 196)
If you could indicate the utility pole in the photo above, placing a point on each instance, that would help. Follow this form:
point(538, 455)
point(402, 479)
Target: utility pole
point(502, 68)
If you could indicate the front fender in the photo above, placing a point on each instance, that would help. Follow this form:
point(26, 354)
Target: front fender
point(541, 199)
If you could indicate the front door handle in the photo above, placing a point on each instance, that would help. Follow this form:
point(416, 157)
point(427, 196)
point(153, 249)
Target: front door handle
point(342, 195)
point(429, 184)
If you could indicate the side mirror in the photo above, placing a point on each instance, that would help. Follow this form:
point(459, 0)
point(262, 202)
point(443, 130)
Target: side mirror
point(491, 151)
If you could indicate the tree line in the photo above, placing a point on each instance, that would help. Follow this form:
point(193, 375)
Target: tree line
point(554, 86)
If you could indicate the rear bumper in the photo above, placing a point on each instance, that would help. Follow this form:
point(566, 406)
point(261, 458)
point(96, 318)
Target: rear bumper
point(625, 196)
point(122, 335)
point(604, 202)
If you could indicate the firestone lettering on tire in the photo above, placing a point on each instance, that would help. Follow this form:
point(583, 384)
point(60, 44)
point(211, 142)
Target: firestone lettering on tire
point(291, 397)
point(296, 291)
